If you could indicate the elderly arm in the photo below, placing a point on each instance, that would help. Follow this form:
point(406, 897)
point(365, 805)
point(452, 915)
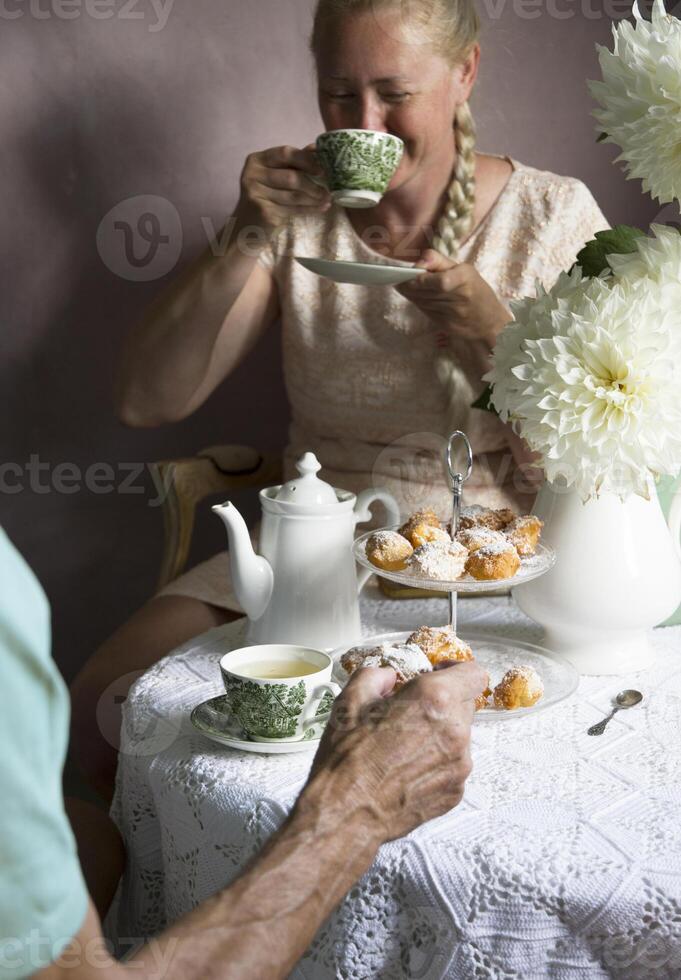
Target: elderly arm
point(385, 765)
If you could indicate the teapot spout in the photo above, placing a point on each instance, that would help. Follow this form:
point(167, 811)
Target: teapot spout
point(252, 575)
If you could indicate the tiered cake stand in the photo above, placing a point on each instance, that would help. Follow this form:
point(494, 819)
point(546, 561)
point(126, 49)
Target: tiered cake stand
point(530, 568)
point(496, 653)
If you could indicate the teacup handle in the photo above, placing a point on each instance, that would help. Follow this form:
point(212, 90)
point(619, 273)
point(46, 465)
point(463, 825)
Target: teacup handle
point(331, 688)
point(363, 513)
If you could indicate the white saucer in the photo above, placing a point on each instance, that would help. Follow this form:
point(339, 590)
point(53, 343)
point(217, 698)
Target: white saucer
point(214, 719)
point(360, 273)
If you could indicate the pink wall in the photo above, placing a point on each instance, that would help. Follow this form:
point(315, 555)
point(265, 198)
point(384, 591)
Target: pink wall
point(167, 101)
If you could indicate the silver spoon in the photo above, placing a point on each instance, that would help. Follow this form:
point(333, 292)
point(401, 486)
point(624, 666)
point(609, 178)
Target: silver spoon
point(625, 699)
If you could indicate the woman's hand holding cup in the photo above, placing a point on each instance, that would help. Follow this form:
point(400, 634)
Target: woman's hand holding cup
point(278, 183)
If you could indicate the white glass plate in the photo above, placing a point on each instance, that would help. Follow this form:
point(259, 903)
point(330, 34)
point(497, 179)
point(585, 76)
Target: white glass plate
point(530, 568)
point(496, 654)
point(360, 273)
point(214, 719)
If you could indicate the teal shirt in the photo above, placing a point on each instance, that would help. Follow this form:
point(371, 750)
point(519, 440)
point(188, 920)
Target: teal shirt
point(43, 898)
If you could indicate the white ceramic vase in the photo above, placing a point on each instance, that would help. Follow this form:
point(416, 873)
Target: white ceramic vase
point(617, 575)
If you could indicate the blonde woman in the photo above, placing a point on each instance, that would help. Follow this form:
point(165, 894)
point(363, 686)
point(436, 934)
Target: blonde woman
point(365, 368)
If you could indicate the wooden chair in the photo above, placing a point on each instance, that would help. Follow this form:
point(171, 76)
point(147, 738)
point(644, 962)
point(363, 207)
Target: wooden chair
point(184, 483)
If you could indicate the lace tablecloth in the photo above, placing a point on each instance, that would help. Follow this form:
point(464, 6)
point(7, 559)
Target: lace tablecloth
point(562, 861)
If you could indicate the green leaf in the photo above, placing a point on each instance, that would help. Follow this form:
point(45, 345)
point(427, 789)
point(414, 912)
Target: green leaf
point(484, 402)
point(619, 240)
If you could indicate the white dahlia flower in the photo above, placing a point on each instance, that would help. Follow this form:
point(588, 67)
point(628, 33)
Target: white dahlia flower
point(590, 374)
point(657, 259)
point(532, 321)
point(640, 98)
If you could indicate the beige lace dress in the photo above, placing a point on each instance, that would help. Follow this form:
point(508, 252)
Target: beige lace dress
point(360, 361)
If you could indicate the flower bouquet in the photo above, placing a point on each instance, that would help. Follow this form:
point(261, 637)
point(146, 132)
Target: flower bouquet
point(589, 374)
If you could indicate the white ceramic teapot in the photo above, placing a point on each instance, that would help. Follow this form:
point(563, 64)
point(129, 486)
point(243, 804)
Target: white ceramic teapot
point(303, 587)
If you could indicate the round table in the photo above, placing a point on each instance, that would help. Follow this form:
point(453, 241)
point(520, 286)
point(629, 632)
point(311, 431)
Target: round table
point(563, 860)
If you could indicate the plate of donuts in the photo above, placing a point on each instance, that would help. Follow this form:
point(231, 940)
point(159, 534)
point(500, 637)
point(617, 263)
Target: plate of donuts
point(492, 550)
point(523, 678)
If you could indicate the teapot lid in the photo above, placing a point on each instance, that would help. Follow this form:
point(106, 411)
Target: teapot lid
point(307, 488)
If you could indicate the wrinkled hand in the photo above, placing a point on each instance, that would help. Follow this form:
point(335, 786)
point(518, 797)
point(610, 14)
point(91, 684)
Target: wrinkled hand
point(458, 301)
point(277, 183)
point(403, 759)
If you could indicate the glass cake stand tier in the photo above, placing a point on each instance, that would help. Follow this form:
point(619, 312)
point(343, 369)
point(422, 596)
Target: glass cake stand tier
point(497, 655)
point(530, 568)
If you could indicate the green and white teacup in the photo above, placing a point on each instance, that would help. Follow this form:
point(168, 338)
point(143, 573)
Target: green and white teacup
point(359, 164)
point(279, 692)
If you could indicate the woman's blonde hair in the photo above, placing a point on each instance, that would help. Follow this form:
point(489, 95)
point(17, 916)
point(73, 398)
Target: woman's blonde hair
point(452, 27)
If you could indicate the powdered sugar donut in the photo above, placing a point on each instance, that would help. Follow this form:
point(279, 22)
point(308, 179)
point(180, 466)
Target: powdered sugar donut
point(440, 561)
point(388, 550)
point(524, 534)
point(406, 659)
point(479, 536)
point(477, 516)
point(494, 561)
point(520, 687)
point(440, 644)
point(422, 527)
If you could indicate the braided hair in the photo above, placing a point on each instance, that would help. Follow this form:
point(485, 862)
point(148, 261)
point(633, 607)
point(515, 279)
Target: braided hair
point(457, 219)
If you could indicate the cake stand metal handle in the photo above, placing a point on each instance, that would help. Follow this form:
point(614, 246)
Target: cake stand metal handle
point(457, 479)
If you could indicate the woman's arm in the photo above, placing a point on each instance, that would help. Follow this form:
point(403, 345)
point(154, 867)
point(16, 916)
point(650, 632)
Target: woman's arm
point(194, 335)
point(199, 330)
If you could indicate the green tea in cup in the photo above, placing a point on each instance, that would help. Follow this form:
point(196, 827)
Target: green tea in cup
point(279, 691)
point(273, 669)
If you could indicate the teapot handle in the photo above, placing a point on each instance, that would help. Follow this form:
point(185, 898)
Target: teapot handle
point(674, 520)
point(363, 513)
